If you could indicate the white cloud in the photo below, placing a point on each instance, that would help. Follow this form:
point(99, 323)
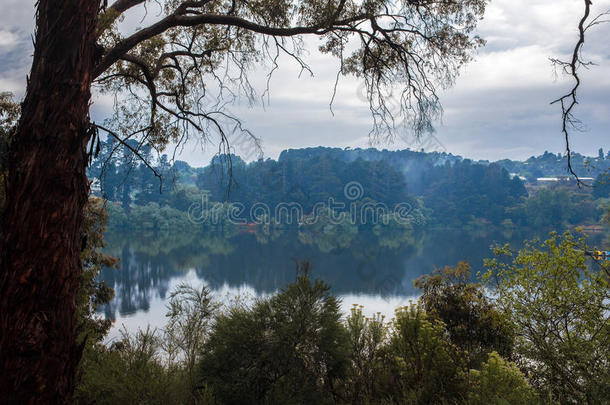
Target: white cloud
point(8, 39)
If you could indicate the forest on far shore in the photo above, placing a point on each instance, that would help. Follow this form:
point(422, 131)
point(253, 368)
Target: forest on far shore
point(441, 190)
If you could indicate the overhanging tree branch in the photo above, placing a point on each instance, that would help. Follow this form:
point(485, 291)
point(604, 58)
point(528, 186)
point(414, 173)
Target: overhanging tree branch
point(135, 152)
point(569, 101)
point(177, 20)
point(407, 50)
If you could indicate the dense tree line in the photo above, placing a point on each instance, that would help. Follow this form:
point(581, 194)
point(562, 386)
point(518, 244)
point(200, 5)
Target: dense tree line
point(461, 192)
point(601, 186)
point(441, 190)
point(412, 162)
point(305, 182)
point(555, 208)
point(120, 175)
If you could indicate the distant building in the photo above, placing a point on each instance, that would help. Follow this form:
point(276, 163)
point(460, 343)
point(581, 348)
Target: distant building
point(563, 178)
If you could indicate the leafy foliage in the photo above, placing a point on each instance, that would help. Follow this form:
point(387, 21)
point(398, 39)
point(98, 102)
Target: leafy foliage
point(559, 307)
point(185, 335)
point(426, 367)
point(291, 348)
point(93, 294)
point(128, 372)
point(367, 374)
point(502, 383)
point(474, 324)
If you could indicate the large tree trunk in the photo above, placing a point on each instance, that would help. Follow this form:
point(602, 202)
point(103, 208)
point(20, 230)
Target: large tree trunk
point(41, 244)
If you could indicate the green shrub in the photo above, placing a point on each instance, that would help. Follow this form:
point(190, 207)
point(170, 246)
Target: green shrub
point(500, 382)
point(128, 372)
point(473, 322)
point(426, 366)
point(290, 349)
point(560, 308)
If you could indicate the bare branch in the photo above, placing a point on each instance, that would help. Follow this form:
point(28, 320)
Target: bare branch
point(569, 101)
point(134, 151)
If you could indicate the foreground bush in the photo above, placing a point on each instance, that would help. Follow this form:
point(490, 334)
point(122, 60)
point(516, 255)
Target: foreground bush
point(289, 349)
point(500, 382)
point(426, 367)
point(559, 306)
point(473, 322)
point(129, 372)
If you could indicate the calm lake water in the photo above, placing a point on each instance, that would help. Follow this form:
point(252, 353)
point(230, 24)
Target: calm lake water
point(376, 271)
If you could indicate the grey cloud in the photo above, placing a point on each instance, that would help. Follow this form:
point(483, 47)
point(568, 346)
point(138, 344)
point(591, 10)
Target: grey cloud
point(498, 108)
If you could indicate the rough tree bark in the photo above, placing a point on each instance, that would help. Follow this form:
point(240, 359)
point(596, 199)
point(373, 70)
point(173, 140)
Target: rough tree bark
point(40, 242)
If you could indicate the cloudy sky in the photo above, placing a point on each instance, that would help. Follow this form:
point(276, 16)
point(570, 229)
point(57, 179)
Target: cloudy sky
point(499, 107)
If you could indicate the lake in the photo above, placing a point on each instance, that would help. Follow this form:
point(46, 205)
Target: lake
point(374, 270)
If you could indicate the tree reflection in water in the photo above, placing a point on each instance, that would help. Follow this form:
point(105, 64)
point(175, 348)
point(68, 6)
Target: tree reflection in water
point(374, 263)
